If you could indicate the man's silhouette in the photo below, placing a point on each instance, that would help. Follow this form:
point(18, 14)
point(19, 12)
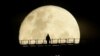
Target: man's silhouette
point(48, 39)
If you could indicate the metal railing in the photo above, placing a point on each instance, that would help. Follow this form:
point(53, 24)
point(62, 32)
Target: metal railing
point(52, 41)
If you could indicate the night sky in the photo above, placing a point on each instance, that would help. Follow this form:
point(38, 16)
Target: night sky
point(85, 12)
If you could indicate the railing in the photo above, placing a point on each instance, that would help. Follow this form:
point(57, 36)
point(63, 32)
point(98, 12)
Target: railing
point(52, 41)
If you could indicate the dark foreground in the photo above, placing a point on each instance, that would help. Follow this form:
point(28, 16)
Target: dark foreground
point(59, 50)
point(84, 47)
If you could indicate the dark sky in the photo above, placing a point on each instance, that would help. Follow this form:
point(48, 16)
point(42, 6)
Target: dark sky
point(85, 12)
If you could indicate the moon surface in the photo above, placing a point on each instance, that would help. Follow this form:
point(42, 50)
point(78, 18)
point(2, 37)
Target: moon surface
point(52, 20)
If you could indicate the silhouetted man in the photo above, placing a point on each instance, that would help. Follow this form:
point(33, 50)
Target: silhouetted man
point(48, 39)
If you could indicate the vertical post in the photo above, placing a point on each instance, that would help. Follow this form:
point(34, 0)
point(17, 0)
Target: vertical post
point(43, 41)
point(35, 41)
point(73, 40)
point(57, 40)
point(65, 40)
point(28, 41)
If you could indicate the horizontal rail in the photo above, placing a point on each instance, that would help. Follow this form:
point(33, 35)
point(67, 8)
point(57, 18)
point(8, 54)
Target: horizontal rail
point(52, 41)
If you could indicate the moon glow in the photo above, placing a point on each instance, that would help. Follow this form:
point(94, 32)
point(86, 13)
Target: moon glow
point(52, 20)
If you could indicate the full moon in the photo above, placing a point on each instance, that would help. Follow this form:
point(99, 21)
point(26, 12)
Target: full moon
point(53, 20)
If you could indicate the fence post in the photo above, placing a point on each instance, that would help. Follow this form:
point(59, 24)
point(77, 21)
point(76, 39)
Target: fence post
point(35, 41)
point(65, 40)
point(74, 40)
point(58, 41)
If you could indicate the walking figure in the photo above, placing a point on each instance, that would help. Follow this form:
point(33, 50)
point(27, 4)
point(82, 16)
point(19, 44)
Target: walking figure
point(48, 39)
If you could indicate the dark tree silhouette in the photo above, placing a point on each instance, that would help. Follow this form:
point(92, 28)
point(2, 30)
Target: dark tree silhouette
point(48, 39)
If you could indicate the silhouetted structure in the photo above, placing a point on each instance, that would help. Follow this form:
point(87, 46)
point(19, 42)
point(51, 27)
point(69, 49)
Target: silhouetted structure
point(48, 39)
